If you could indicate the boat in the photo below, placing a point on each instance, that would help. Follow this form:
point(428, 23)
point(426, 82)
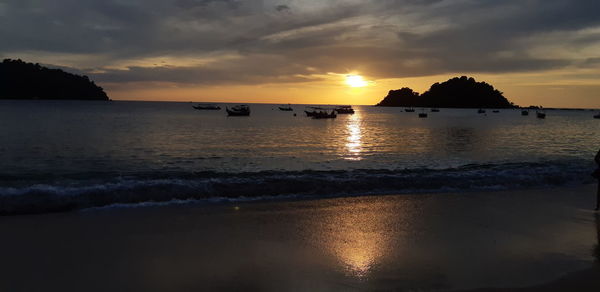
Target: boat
point(409, 110)
point(344, 109)
point(312, 110)
point(324, 115)
point(524, 112)
point(238, 110)
point(597, 116)
point(207, 107)
point(495, 111)
point(540, 115)
point(435, 110)
point(481, 111)
point(287, 108)
point(422, 115)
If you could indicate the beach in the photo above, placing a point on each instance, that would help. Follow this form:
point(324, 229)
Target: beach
point(228, 145)
point(410, 242)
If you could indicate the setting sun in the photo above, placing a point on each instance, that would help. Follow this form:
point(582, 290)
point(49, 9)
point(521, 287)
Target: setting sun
point(355, 81)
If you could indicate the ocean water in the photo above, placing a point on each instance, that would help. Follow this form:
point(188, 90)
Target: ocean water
point(61, 155)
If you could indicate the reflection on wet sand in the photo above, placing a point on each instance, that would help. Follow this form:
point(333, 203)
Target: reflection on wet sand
point(354, 143)
point(359, 236)
point(358, 244)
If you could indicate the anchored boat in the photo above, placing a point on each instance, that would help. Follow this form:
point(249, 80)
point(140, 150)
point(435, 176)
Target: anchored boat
point(324, 115)
point(287, 108)
point(213, 107)
point(238, 110)
point(344, 109)
point(540, 115)
point(312, 110)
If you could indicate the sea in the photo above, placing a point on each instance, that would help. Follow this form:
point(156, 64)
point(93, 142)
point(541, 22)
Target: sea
point(73, 155)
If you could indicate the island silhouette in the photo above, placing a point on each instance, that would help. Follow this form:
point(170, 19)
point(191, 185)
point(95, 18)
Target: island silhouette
point(458, 92)
point(22, 80)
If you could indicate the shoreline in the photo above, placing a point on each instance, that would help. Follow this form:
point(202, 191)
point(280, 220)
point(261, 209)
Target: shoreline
point(452, 241)
point(226, 202)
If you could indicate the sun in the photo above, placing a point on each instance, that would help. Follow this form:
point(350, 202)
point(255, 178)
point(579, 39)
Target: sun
point(356, 81)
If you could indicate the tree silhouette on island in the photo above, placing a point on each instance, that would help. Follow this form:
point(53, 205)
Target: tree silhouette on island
point(22, 80)
point(458, 92)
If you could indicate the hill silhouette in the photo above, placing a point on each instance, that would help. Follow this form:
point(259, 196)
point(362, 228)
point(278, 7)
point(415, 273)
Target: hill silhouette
point(22, 80)
point(458, 92)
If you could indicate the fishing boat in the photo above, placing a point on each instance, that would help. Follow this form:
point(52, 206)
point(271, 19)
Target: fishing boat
point(287, 108)
point(422, 115)
point(311, 111)
point(344, 109)
point(238, 111)
point(540, 115)
point(409, 110)
point(481, 111)
point(524, 112)
point(435, 110)
point(212, 107)
point(324, 115)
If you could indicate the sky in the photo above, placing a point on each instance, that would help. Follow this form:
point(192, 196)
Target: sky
point(538, 52)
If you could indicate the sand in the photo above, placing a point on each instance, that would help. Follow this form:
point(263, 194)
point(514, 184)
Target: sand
point(537, 240)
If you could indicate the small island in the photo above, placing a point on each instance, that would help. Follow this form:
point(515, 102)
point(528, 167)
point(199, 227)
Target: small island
point(458, 92)
point(21, 80)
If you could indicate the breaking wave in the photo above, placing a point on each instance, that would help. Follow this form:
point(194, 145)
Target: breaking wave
point(159, 188)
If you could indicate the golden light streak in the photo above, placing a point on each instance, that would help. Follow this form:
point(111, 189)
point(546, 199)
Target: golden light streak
point(354, 139)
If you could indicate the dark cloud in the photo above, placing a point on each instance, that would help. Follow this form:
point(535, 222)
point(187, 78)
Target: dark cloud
point(384, 39)
point(258, 69)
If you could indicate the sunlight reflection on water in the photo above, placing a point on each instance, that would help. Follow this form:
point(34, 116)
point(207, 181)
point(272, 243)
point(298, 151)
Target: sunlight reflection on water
point(354, 139)
point(133, 137)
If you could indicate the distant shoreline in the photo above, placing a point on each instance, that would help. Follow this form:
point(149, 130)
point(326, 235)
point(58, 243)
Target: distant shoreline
point(297, 104)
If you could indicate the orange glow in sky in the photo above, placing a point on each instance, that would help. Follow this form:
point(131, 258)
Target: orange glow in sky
point(301, 52)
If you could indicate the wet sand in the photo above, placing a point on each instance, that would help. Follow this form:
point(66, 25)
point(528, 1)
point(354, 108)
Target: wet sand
point(537, 240)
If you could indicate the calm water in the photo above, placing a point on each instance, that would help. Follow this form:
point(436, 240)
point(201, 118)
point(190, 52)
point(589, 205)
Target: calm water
point(99, 153)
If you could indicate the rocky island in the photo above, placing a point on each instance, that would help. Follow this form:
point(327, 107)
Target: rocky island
point(458, 92)
point(22, 80)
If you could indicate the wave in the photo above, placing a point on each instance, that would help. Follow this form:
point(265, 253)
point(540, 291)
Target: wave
point(186, 187)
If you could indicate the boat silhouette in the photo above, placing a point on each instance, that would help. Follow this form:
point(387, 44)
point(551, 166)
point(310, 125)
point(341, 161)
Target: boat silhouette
point(324, 115)
point(238, 111)
point(287, 108)
point(540, 115)
point(312, 110)
point(207, 107)
point(344, 109)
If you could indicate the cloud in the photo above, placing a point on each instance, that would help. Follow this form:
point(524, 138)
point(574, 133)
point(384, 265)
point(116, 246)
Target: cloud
point(384, 39)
